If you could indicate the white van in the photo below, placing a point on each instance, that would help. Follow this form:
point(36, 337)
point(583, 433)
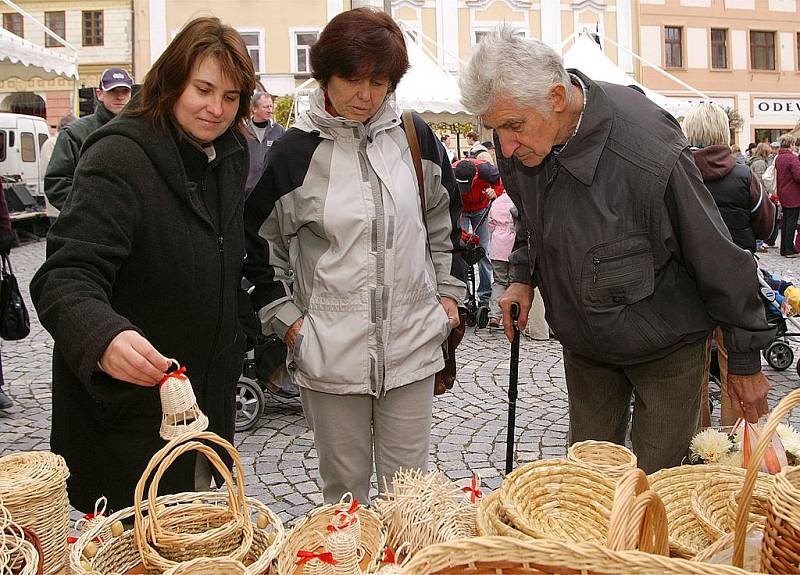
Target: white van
point(21, 139)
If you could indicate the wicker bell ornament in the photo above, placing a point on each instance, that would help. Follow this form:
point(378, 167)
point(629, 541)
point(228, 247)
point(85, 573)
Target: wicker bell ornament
point(316, 563)
point(97, 518)
point(180, 412)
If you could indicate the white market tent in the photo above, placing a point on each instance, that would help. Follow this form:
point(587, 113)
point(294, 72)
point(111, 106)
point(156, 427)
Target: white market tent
point(25, 60)
point(587, 56)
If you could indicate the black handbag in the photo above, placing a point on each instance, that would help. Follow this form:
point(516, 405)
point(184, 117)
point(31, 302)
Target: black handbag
point(14, 320)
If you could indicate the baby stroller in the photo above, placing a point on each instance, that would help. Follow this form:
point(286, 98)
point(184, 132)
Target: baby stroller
point(780, 298)
point(472, 252)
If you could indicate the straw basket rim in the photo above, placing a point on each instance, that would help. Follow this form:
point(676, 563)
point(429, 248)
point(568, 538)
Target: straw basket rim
point(604, 456)
point(37, 467)
point(555, 556)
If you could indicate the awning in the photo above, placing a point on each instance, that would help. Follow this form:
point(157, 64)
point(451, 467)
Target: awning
point(25, 60)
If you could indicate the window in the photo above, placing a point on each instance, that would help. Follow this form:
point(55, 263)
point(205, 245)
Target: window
point(28, 145)
point(56, 22)
point(93, 28)
point(673, 48)
point(42, 139)
point(253, 42)
point(303, 43)
point(13, 23)
point(2, 145)
point(719, 48)
point(768, 134)
point(762, 50)
point(480, 35)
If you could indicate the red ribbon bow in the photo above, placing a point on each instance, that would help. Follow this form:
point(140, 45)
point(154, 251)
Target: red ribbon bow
point(90, 516)
point(388, 555)
point(179, 373)
point(304, 557)
point(353, 508)
point(473, 490)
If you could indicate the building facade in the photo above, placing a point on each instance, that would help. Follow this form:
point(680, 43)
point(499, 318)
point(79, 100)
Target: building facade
point(101, 30)
point(743, 54)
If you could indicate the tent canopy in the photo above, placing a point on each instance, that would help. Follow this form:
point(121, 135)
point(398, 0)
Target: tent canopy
point(24, 60)
point(429, 90)
point(587, 56)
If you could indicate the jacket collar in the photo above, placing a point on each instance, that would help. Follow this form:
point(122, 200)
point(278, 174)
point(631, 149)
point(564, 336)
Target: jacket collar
point(581, 155)
point(317, 119)
point(104, 115)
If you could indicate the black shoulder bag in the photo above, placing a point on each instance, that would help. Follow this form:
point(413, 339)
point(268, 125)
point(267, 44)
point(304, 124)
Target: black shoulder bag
point(14, 320)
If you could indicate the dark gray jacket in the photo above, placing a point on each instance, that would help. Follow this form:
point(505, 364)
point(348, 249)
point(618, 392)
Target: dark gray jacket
point(61, 168)
point(259, 152)
point(626, 244)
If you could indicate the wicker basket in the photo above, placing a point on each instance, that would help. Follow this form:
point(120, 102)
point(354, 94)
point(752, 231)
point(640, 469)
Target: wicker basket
point(209, 566)
point(188, 530)
point(780, 552)
point(509, 556)
point(675, 486)
point(493, 521)
point(714, 503)
point(558, 499)
point(608, 458)
point(638, 519)
point(310, 533)
point(120, 554)
point(33, 487)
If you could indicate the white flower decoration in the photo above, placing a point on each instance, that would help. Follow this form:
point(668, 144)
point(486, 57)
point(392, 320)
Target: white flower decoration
point(710, 445)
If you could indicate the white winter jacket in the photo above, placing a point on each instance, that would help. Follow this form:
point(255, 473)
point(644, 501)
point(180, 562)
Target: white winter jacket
point(339, 205)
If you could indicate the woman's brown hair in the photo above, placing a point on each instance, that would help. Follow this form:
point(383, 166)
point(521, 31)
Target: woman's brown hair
point(360, 43)
point(763, 151)
point(166, 80)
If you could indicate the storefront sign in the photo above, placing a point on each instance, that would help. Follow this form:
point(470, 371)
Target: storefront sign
point(776, 107)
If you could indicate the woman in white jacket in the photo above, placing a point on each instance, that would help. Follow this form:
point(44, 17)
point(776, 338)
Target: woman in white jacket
point(375, 291)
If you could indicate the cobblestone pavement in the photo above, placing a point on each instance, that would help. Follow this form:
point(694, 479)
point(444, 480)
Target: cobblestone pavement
point(469, 424)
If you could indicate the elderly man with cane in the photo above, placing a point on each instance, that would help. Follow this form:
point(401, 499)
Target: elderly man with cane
point(634, 262)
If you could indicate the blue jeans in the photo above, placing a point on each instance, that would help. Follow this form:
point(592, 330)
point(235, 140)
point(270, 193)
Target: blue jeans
point(468, 222)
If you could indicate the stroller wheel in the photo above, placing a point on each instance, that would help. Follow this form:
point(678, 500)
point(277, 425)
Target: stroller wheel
point(779, 355)
point(249, 404)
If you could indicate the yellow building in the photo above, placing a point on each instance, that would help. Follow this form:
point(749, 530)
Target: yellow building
point(744, 54)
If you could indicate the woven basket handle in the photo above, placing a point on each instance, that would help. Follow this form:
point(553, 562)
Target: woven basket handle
point(638, 517)
point(743, 513)
point(162, 460)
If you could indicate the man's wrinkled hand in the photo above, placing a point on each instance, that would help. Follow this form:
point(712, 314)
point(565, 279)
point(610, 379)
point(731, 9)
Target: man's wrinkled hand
point(748, 394)
point(522, 294)
point(291, 334)
point(130, 357)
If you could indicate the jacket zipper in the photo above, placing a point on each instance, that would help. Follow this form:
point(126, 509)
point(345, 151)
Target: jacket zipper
point(220, 303)
point(537, 232)
point(597, 261)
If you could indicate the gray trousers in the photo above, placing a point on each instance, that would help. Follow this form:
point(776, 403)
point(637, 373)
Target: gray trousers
point(347, 428)
point(666, 407)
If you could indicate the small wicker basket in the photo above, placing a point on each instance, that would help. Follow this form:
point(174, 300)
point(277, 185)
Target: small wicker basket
point(310, 534)
point(180, 413)
point(714, 503)
point(33, 487)
point(492, 520)
point(558, 499)
point(608, 458)
point(20, 551)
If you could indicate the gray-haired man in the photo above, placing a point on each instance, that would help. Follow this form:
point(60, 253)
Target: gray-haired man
point(633, 260)
point(264, 130)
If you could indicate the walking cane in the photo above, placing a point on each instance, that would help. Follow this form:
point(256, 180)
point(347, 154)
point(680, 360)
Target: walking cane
point(512, 389)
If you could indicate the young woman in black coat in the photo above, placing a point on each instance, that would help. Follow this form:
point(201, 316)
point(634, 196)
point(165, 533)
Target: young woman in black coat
point(144, 264)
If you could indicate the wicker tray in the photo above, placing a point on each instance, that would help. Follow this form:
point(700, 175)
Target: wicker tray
point(493, 521)
point(714, 503)
point(608, 458)
point(509, 556)
point(120, 555)
point(309, 534)
point(558, 499)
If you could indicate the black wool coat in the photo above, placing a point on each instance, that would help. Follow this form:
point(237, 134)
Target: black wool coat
point(136, 248)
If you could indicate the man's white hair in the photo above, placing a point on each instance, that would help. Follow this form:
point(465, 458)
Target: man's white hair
point(505, 64)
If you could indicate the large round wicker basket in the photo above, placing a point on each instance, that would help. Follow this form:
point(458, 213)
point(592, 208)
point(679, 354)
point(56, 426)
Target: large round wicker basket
point(119, 554)
point(558, 499)
point(208, 566)
point(33, 487)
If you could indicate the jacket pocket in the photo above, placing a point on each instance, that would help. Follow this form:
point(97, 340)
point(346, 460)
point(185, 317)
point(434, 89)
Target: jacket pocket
point(617, 279)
